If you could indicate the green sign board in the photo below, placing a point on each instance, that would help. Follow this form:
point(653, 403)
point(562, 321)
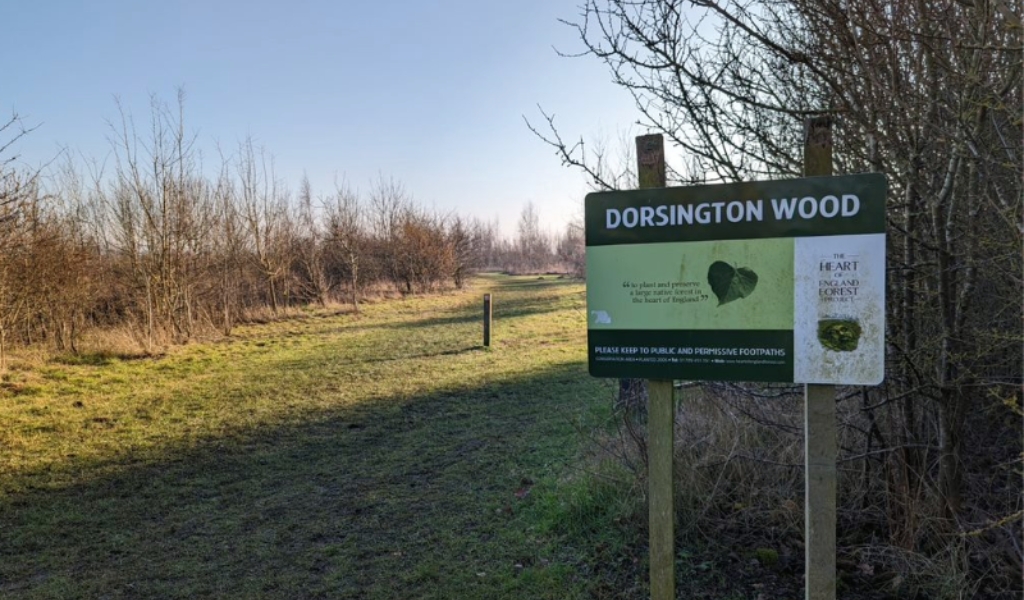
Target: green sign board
point(757, 281)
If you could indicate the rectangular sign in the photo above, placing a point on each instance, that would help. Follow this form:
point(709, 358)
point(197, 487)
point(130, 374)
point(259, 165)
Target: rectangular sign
point(757, 281)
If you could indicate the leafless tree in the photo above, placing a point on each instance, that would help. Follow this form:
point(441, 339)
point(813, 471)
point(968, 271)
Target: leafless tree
point(310, 248)
point(464, 249)
point(160, 215)
point(571, 248)
point(347, 239)
point(533, 244)
point(263, 206)
point(928, 93)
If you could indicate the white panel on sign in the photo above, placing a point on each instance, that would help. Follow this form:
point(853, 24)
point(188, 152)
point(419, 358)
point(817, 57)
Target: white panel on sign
point(839, 324)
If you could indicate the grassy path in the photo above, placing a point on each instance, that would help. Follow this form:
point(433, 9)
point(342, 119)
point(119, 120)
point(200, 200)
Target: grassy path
point(331, 456)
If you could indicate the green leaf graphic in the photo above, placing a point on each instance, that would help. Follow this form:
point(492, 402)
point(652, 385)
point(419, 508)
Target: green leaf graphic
point(841, 335)
point(729, 283)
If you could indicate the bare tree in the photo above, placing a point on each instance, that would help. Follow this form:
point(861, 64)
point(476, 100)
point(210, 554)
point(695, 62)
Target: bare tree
point(18, 189)
point(571, 248)
point(533, 245)
point(160, 215)
point(929, 93)
point(346, 239)
point(228, 249)
point(310, 247)
point(16, 185)
point(465, 250)
point(389, 204)
point(263, 206)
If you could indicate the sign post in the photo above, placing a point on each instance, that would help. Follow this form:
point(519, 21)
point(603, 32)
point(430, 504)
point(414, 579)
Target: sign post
point(661, 419)
point(775, 281)
point(819, 426)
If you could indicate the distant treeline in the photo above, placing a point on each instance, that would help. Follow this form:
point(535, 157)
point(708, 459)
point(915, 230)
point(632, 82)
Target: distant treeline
point(153, 244)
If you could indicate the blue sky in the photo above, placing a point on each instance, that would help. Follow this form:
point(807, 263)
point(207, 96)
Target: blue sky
point(430, 93)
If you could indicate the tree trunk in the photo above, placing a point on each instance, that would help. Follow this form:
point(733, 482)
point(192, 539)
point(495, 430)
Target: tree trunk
point(950, 471)
point(273, 294)
point(355, 287)
point(3, 347)
point(149, 316)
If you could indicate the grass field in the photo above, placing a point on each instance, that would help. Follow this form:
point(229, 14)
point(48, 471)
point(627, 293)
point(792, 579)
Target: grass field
point(384, 455)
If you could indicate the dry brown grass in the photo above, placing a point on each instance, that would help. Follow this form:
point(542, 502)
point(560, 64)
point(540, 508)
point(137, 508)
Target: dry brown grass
point(740, 485)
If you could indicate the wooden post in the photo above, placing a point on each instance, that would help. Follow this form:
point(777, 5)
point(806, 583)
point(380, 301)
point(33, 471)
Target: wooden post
point(661, 488)
point(650, 161)
point(819, 425)
point(487, 320)
point(650, 158)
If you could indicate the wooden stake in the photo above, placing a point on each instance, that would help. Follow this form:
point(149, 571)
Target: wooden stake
point(650, 159)
point(820, 491)
point(487, 320)
point(819, 425)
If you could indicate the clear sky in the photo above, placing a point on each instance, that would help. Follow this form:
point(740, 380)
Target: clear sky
point(431, 93)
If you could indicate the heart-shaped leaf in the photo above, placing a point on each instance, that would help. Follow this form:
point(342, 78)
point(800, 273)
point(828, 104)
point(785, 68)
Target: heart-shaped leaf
point(729, 283)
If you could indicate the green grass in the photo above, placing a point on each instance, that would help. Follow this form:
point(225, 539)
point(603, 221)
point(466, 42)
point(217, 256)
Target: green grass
point(326, 456)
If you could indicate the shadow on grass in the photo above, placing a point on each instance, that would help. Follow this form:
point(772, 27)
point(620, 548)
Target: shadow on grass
point(398, 498)
point(509, 310)
point(100, 358)
point(505, 307)
point(404, 357)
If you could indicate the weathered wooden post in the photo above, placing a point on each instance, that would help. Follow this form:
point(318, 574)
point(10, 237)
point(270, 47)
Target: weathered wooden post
point(819, 425)
point(487, 320)
point(650, 158)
